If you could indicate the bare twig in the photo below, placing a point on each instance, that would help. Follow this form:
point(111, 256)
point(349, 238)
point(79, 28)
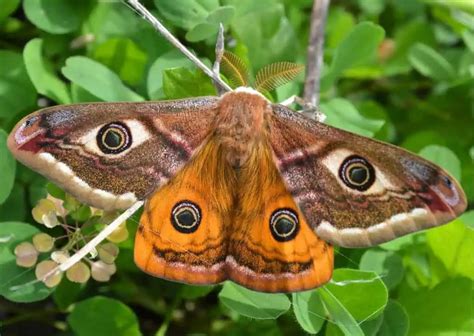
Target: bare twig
point(219, 53)
point(140, 9)
point(315, 53)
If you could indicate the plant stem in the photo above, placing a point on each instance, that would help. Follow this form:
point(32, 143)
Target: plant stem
point(315, 53)
point(169, 314)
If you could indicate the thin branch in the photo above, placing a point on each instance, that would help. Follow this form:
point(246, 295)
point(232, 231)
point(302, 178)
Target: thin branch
point(140, 9)
point(315, 53)
point(219, 53)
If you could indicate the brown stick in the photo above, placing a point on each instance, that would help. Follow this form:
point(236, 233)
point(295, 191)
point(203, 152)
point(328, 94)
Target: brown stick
point(315, 53)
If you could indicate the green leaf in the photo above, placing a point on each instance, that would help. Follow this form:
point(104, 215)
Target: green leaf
point(182, 83)
point(352, 287)
point(12, 277)
point(406, 36)
point(444, 157)
point(395, 320)
point(446, 309)
point(372, 7)
point(400, 243)
point(339, 314)
point(7, 168)
point(98, 80)
point(342, 114)
point(253, 304)
point(453, 245)
point(44, 79)
point(430, 63)
point(388, 265)
point(309, 311)
point(15, 208)
point(468, 219)
point(338, 25)
point(190, 292)
point(358, 47)
point(124, 57)
point(103, 316)
point(14, 83)
point(223, 14)
point(201, 31)
point(171, 59)
point(186, 13)
point(56, 16)
point(66, 293)
point(262, 26)
point(7, 7)
point(468, 38)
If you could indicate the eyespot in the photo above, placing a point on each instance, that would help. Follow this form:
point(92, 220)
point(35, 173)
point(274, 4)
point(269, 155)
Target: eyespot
point(357, 173)
point(186, 216)
point(114, 138)
point(284, 224)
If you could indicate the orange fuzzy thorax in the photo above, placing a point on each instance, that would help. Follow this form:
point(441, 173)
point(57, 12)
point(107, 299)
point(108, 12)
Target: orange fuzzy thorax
point(241, 123)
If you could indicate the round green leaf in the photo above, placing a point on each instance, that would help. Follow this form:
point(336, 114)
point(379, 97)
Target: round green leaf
point(446, 309)
point(342, 113)
point(358, 47)
point(457, 252)
point(387, 264)
point(98, 80)
point(171, 59)
point(44, 79)
point(309, 311)
point(430, 63)
point(103, 316)
point(183, 82)
point(12, 277)
point(7, 7)
point(221, 15)
point(340, 316)
point(124, 57)
point(201, 31)
point(56, 16)
point(395, 320)
point(253, 304)
point(16, 91)
point(7, 168)
point(362, 293)
point(186, 13)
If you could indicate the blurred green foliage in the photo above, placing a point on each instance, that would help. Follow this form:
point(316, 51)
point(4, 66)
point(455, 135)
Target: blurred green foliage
point(398, 70)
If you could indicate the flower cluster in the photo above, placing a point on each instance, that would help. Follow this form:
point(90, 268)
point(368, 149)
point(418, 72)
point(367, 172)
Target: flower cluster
point(80, 224)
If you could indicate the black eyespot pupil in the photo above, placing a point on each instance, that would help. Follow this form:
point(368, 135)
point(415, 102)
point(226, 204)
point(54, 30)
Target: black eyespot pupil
point(186, 218)
point(113, 139)
point(284, 226)
point(358, 174)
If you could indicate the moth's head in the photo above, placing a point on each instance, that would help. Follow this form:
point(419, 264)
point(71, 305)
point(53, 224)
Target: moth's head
point(88, 149)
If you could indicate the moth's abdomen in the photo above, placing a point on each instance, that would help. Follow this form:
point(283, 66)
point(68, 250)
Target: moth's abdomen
point(240, 123)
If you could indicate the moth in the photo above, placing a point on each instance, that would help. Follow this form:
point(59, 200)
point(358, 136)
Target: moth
point(236, 187)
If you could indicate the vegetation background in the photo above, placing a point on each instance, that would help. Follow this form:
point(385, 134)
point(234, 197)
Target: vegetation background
point(397, 70)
